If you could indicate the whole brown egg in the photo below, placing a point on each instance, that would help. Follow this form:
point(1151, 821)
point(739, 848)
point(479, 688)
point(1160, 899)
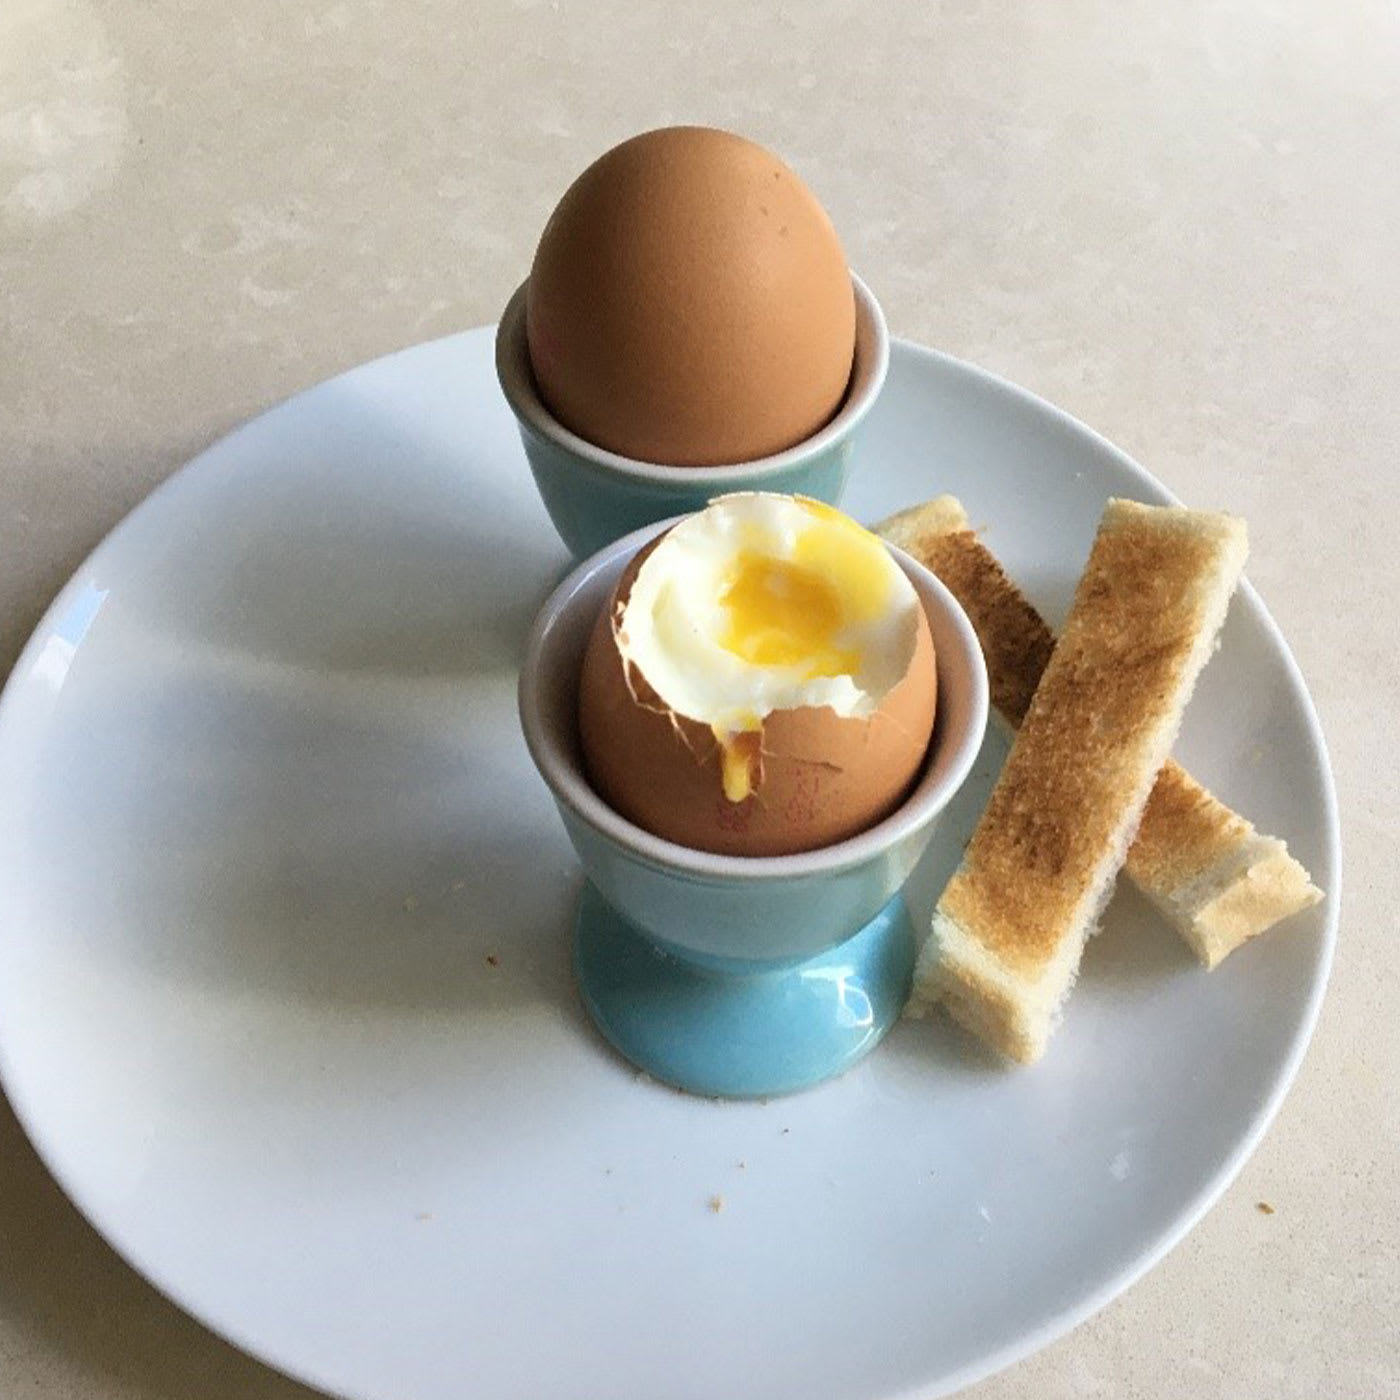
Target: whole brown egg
point(690, 303)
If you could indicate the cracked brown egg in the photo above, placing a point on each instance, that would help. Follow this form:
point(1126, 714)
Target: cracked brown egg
point(690, 304)
point(762, 681)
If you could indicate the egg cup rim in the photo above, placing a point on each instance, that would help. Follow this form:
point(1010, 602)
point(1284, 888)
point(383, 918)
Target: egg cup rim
point(870, 365)
point(567, 781)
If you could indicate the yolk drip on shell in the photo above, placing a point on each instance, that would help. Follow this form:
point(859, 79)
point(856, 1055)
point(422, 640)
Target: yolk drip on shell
point(740, 760)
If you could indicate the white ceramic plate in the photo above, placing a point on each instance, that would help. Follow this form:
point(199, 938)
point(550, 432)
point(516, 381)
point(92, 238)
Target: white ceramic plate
point(286, 1003)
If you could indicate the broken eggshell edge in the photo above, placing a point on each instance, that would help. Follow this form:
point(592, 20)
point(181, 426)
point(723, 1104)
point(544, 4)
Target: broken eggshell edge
point(819, 777)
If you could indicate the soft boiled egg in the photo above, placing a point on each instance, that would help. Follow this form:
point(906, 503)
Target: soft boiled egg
point(762, 681)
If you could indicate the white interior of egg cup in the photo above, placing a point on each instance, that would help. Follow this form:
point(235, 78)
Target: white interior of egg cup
point(868, 370)
point(548, 698)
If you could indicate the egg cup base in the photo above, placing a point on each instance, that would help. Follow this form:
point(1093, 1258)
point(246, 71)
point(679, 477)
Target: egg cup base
point(741, 1034)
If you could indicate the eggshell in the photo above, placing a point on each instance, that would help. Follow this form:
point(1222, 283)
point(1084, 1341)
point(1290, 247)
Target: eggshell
point(820, 777)
point(690, 303)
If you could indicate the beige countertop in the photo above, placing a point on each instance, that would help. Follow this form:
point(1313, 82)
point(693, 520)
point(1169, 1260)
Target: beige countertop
point(1176, 221)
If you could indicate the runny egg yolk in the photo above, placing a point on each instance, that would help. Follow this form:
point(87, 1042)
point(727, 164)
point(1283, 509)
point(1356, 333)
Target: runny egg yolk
point(782, 613)
point(791, 611)
point(762, 603)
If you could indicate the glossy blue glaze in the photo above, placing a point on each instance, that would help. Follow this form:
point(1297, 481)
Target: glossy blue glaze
point(738, 975)
point(592, 504)
point(741, 1035)
point(594, 496)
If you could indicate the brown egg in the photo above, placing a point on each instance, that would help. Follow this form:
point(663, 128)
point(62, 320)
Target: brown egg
point(690, 303)
point(817, 777)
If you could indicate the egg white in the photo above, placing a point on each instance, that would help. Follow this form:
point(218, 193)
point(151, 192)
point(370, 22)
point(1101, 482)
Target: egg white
point(674, 618)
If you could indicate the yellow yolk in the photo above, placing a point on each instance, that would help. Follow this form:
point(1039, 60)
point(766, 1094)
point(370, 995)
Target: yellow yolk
point(782, 613)
point(738, 753)
point(766, 602)
point(850, 557)
point(789, 611)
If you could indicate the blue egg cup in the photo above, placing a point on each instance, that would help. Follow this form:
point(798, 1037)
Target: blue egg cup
point(729, 1029)
point(593, 496)
point(730, 975)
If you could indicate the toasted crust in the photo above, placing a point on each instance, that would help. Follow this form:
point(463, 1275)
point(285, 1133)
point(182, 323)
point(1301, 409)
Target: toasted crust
point(1217, 880)
point(1040, 865)
point(1014, 638)
point(1183, 832)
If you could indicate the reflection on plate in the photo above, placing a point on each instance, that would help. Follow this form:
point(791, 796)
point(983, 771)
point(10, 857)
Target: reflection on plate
point(284, 920)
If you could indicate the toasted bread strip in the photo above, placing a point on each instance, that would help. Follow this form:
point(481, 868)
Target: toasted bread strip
point(1212, 875)
point(1012, 922)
